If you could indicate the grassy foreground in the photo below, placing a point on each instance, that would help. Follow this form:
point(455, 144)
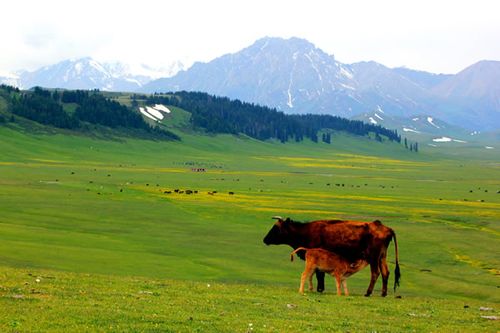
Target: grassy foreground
point(50, 301)
point(93, 221)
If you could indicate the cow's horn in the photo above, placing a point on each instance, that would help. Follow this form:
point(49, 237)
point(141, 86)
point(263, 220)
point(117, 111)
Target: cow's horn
point(277, 218)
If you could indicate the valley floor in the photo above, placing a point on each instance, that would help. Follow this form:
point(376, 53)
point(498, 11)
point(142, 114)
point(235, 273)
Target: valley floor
point(95, 237)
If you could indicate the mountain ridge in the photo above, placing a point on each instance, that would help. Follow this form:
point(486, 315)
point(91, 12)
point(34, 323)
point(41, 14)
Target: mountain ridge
point(296, 77)
point(88, 73)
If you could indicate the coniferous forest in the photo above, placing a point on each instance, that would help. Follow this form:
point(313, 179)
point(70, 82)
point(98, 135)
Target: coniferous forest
point(46, 107)
point(222, 115)
point(209, 113)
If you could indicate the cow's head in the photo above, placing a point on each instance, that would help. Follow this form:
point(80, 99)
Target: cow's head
point(279, 232)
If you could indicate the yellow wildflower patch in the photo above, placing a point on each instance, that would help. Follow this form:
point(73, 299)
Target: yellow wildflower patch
point(476, 263)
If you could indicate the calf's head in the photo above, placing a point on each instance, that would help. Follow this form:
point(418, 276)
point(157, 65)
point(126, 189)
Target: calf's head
point(279, 232)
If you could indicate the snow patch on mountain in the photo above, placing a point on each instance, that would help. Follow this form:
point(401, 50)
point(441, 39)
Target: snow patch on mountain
point(313, 65)
point(147, 114)
point(447, 139)
point(155, 112)
point(406, 129)
point(161, 107)
point(347, 86)
point(346, 73)
point(430, 120)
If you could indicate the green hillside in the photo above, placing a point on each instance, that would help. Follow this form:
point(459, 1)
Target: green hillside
point(91, 215)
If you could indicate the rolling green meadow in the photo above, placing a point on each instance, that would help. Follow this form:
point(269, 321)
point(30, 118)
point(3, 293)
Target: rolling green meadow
point(92, 240)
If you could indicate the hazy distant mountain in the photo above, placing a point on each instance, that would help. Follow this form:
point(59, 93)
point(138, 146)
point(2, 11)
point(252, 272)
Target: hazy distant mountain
point(424, 79)
point(291, 75)
point(9, 79)
point(382, 87)
point(474, 94)
point(87, 73)
point(296, 77)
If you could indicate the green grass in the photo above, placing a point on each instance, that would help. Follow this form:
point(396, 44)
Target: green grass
point(93, 214)
point(49, 301)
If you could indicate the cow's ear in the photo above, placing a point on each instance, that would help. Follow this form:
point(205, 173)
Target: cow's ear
point(288, 220)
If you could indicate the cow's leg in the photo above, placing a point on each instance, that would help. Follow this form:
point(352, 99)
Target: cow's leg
point(384, 270)
point(320, 276)
point(344, 282)
point(374, 276)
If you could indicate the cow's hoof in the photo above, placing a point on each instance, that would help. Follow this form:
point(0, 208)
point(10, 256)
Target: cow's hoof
point(384, 294)
point(320, 290)
point(368, 294)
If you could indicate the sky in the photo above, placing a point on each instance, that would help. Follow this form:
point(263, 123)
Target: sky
point(440, 36)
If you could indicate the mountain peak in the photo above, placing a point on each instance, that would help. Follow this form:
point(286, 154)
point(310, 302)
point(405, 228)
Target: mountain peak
point(477, 81)
point(276, 43)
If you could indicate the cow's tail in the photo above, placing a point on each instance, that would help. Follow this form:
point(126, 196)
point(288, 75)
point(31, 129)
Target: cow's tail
point(297, 250)
point(397, 271)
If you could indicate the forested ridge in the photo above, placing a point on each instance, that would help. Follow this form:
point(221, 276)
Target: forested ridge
point(212, 114)
point(223, 115)
point(46, 107)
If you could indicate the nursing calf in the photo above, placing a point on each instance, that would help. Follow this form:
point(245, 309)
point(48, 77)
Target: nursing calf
point(353, 240)
point(328, 262)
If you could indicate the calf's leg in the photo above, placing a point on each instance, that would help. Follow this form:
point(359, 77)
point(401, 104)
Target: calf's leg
point(337, 283)
point(311, 282)
point(307, 274)
point(344, 283)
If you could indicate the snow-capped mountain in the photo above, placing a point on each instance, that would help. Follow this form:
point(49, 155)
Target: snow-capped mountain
point(295, 76)
point(87, 73)
point(142, 73)
point(11, 79)
point(291, 75)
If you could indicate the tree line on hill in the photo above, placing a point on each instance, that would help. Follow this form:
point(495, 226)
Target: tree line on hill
point(46, 107)
point(222, 115)
point(210, 113)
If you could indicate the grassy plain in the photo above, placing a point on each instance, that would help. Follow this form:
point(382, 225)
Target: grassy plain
point(113, 252)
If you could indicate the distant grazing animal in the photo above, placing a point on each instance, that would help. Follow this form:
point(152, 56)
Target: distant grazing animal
point(328, 262)
point(352, 240)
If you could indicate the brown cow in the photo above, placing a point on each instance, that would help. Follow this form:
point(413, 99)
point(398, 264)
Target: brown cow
point(328, 262)
point(352, 240)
